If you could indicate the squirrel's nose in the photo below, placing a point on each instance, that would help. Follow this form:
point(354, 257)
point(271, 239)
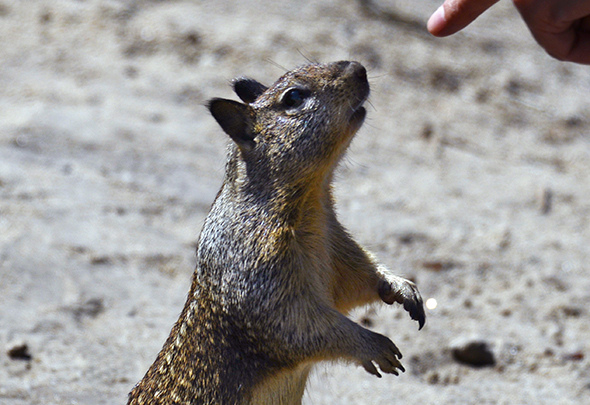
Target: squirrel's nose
point(357, 70)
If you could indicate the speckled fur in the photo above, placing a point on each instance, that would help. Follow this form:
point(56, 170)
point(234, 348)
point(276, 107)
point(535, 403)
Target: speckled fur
point(276, 272)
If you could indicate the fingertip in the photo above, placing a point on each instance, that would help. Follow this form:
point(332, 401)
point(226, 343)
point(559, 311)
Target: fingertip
point(437, 22)
point(454, 15)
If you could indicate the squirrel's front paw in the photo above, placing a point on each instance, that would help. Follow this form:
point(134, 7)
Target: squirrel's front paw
point(385, 354)
point(397, 289)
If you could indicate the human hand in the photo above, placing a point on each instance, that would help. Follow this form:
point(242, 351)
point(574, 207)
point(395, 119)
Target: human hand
point(561, 27)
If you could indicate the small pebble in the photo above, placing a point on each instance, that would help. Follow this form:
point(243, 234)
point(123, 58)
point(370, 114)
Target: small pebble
point(19, 351)
point(546, 201)
point(475, 353)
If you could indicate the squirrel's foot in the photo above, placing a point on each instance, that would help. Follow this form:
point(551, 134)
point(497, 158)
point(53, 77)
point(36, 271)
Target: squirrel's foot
point(398, 289)
point(385, 354)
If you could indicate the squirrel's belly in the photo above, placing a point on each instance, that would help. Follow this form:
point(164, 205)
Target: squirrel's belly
point(285, 388)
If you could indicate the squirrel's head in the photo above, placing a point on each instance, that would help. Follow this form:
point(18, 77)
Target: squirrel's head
point(302, 123)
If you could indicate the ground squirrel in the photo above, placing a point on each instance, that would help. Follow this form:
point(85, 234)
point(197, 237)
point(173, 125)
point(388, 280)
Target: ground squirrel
point(276, 272)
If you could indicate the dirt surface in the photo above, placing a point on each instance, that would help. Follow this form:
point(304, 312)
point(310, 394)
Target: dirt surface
point(471, 176)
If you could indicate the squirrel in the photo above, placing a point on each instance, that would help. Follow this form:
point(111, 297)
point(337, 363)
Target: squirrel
point(276, 272)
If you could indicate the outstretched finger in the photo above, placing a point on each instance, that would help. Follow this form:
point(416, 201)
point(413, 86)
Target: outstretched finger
point(454, 15)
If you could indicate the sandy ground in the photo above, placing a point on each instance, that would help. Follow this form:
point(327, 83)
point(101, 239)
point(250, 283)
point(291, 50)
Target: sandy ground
point(471, 175)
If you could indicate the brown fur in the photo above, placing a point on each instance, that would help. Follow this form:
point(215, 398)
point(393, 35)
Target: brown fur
point(276, 272)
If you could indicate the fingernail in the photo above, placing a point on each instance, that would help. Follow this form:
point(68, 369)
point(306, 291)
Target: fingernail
point(437, 21)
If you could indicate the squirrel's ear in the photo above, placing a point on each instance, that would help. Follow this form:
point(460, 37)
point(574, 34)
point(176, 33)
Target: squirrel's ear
point(247, 89)
point(235, 119)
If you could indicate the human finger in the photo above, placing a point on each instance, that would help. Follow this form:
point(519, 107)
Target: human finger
point(454, 15)
point(562, 28)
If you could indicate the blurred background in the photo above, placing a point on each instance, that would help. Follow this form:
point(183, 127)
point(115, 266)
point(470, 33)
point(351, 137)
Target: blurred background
point(471, 176)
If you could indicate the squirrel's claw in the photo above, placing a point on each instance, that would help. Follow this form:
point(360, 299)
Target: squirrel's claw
point(416, 311)
point(385, 354)
point(397, 289)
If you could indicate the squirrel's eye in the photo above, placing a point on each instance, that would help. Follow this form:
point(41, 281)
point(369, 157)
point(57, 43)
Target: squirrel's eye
point(294, 98)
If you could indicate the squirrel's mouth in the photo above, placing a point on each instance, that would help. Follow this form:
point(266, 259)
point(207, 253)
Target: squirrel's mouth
point(358, 116)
